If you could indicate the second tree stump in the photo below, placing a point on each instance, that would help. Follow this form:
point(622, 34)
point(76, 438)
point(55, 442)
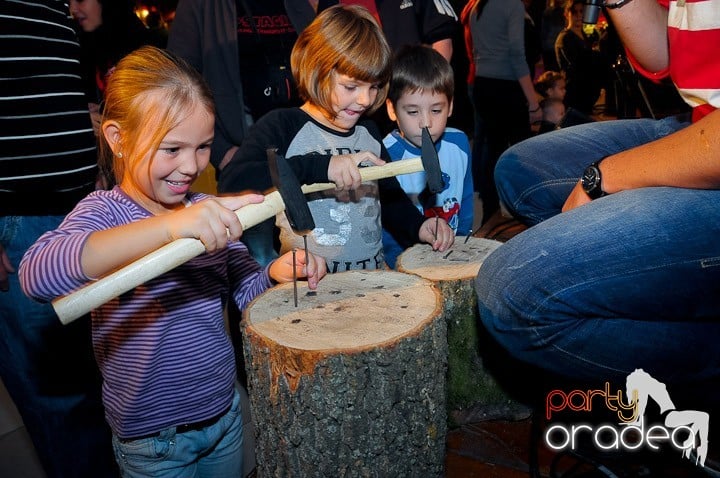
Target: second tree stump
point(473, 393)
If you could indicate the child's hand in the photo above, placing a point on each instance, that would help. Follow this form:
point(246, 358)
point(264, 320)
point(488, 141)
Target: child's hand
point(308, 265)
point(213, 220)
point(445, 235)
point(344, 169)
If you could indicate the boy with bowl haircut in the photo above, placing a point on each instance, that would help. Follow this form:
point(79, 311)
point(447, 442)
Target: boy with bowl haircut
point(421, 96)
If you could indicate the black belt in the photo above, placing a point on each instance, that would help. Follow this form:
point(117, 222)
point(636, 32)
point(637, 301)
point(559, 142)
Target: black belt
point(187, 427)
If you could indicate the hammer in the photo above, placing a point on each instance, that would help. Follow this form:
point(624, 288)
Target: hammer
point(296, 207)
point(434, 181)
point(83, 300)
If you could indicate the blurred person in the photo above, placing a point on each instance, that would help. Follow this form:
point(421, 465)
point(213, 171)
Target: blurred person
point(503, 93)
point(533, 44)
point(242, 49)
point(108, 30)
point(553, 113)
point(551, 84)
point(424, 22)
point(579, 58)
point(48, 163)
point(553, 22)
point(158, 26)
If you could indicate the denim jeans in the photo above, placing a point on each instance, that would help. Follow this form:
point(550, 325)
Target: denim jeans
point(212, 452)
point(535, 177)
point(630, 280)
point(49, 370)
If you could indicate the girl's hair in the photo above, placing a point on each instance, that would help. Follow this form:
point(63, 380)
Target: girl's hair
point(150, 92)
point(420, 68)
point(345, 40)
point(548, 80)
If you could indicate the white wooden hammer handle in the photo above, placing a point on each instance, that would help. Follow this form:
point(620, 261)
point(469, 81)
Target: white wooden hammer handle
point(168, 257)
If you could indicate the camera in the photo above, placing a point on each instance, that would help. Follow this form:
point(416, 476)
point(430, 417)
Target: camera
point(592, 11)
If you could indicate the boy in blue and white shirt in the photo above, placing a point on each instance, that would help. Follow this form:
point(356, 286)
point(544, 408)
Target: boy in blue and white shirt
point(421, 95)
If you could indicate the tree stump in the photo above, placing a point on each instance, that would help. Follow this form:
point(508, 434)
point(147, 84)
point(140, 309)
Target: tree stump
point(351, 382)
point(473, 393)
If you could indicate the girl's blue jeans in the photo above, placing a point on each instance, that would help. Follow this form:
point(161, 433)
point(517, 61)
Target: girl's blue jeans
point(212, 452)
point(631, 280)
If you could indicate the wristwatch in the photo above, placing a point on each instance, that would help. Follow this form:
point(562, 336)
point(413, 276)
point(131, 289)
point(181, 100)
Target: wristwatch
point(592, 181)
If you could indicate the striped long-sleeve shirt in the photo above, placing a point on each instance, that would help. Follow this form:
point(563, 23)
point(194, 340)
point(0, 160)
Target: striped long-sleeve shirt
point(162, 348)
point(47, 146)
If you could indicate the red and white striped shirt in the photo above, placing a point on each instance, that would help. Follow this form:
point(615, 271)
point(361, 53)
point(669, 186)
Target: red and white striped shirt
point(694, 38)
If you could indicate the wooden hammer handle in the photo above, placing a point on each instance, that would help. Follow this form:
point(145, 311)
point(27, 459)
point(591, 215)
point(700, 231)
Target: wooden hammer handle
point(171, 255)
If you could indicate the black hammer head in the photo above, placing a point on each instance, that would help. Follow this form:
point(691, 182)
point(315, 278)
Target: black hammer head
point(431, 163)
point(285, 181)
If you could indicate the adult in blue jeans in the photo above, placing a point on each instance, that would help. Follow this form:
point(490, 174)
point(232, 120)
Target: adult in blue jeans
point(620, 268)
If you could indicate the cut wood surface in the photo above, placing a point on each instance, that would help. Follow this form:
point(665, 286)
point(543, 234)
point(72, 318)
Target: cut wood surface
point(352, 381)
point(350, 313)
point(461, 261)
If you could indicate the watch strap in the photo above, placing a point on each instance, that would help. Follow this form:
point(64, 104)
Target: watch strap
point(615, 5)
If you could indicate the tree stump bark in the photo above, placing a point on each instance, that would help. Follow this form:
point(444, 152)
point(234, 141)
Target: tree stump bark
point(473, 393)
point(351, 382)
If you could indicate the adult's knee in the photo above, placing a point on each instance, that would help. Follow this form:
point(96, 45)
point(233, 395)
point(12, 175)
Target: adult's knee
point(497, 288)
point(512, 286)
point(525, 186)
point(507, 169)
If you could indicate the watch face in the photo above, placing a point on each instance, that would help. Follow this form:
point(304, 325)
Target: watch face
point(590, 178)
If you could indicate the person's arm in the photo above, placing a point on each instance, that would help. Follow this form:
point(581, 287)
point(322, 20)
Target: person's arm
point(191, 40)
point(301, 13)
point(685, 159)
point(516, 38)
point(185, 39)
point(248, 169)
point(642, 27)
point(534, 110)
point(568, 49)
point(444, 47)
point(439, 24)
point(85, 246)
point(212, 221)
